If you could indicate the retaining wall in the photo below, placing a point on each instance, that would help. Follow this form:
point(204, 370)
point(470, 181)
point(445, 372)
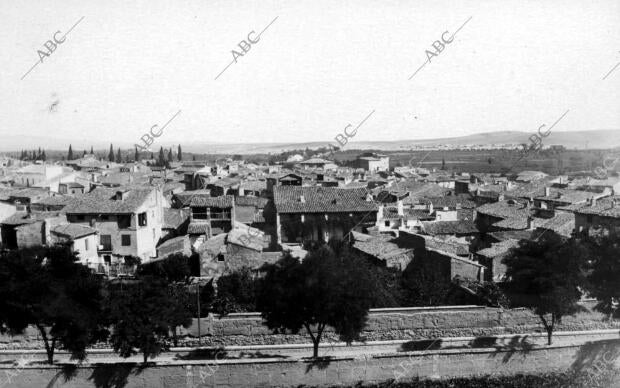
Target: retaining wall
point(383, 324)
point(590, 358)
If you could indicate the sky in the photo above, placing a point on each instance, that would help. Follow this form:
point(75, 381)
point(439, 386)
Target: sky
point(318, 67)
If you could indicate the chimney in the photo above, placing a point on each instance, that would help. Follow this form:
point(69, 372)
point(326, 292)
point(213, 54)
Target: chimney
point(529, 223)
point(119, 195)
point(399, 206)
point(593, 202)
point(547, 191)
point(302, 199)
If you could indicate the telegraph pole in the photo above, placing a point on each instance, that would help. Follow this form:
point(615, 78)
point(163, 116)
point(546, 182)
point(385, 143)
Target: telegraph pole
point(198, 302)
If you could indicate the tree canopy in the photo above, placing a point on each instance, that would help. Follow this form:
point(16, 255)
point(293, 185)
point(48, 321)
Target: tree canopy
point(325, 289)
point(604, 273)
point(546, 275)
point(48, 288)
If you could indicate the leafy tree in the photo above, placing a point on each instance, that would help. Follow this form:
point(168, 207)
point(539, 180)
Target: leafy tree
point(70, 153)
point(162, 159)
point(181, 308)
point(236, 292)
point(141, 314)
point(48, 288)
point(424, 283)
point(324, 289)
point(179, 154)
point(545, 275)
point(111, 154)
point(604, 266)
point(173, 268)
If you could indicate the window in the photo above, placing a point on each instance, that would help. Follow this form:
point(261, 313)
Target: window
point(220, 257)
point(107, 259)
point(86, 243)
point(80, 217)
point(142, 219)
point(589, 218)
point(123, 221)
point(106, 241)
point(125, 240)
point(104, 217)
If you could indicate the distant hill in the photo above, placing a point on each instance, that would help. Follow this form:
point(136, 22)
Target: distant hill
point(602, 138)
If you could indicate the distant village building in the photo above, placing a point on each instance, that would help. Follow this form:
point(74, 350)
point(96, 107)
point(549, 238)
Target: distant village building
point(321, 213)
point(128, 220)
point(318, 163)
point(373, 162)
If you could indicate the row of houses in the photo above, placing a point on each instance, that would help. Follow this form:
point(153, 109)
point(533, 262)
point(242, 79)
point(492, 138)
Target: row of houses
point(238, 214)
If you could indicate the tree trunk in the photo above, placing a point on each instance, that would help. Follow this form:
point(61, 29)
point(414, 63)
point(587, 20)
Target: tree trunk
point(548, 327)
point(315, 344)
point(315, 340)
point(48, 349)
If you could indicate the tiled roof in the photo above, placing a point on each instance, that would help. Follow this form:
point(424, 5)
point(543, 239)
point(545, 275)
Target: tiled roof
point(566, 195)
point(222, 202)
point(173, 218)
point(603, 207)
point(512, 223)
point(379, 247)
point(415, 214)
point(254, 185)
point(562, 223)
point(102, 200)
point(57, 200)
point(186, 196)
point(18, 219)
point(449, 227)
point(258, 202)
point(504, 209)
point(450, 201)
point(22, 218)
point(245, 239)
point(73, 231)
point(512, 235)
point(297, 199)
point(198, 228)
point(499, 249)
point(465, 214)
point(31, 192)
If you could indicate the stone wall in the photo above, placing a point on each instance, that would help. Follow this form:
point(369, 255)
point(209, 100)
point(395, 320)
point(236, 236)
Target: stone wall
point(335, 371)
point(383, 324)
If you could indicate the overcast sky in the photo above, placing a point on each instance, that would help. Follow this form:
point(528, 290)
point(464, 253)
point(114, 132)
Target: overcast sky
point(322, 65)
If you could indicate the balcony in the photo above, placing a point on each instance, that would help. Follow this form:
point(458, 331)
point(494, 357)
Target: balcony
point(114, 270)
point(211, 216)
